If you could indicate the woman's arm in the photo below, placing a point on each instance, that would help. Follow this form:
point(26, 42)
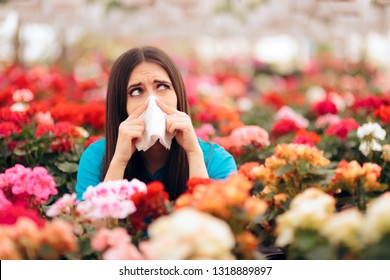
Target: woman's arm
point(180, 125)
point(197, 165)
point(130, 130)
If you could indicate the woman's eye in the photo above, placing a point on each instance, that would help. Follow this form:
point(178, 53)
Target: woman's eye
point(135, 92)
point(163, 87)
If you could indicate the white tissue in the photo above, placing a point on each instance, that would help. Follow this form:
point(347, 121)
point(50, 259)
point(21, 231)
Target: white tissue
point(155, 127)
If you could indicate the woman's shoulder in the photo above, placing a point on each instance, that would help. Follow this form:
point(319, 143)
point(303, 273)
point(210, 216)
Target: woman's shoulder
point(207, 146)
point(212, 150)
point(97, 147)
point(219, 162)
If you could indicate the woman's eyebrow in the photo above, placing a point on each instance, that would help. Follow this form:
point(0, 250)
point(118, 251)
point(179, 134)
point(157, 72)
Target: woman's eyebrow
point(134, 85)
point(160, 81)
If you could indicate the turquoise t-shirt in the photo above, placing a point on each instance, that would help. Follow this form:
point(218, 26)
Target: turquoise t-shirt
point(219, 163)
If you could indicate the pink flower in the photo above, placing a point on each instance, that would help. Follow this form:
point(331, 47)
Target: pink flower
point(110, 199)
point(106, 238)
point(326, 120)
point(115, 245)
point(287, 113)
point(35, 182)
point(205, 131)
point(62, 205)
point(250, 134)
point(44, 118)
point(24, 95)
point(126, 252)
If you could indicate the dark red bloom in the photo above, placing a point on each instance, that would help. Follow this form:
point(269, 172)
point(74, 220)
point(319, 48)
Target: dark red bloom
point(284, 126)
point(369, 103)
point(324, 107)
point(91, 140)
point(11, 214)
point(8, 128)
point(149, 205)
point(342, 128)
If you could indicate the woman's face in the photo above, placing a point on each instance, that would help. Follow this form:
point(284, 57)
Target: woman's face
point(149, 79)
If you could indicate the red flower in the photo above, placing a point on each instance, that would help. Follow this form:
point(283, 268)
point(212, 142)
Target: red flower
point(10, 215)
point(94, 115)
point(324, 107)
point(342, 128)
point(43, 129)
point(306, 137)
point(274, 99)
point(68, 112)
point(18, 118)
point(8, 128)
point(149, 205)
point(369, 103)
point(284, 126)
point(383, 113)
point(91, 140)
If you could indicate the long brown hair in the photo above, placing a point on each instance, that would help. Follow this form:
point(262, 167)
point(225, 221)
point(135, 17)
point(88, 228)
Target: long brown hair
point(177, 163)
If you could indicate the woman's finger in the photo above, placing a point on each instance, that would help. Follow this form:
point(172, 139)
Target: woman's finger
point(137, 113)
point(167, 109)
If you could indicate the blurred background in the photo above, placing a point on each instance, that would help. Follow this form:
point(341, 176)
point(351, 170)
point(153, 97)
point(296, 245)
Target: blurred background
point(284, 34)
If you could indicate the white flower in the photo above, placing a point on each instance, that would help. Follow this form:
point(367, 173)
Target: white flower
point(188, 233)
point(373, 130)
point(367, 146)
point(308, 210)
point(315, 94)
point(345, 227)
point(377, 222)
point(19, 107)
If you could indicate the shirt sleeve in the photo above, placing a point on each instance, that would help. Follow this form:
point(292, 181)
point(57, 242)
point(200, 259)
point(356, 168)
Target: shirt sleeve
point(90, 169)
point(219, 163)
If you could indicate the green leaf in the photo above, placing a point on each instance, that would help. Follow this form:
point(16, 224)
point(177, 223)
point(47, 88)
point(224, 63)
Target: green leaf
point(284, 169)
point(303, 167)
point(67, 167)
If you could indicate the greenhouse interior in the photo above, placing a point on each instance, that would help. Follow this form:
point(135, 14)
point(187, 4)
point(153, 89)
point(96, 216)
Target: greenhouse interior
point(269, 130)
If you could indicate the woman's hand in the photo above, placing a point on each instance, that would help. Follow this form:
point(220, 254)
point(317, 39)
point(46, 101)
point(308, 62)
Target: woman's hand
point(129, 133)
point(179, 124)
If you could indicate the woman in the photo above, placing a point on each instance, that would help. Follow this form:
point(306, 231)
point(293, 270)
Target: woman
point(137, 75)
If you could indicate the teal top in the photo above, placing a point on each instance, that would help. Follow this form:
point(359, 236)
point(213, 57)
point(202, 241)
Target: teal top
point(219, 163)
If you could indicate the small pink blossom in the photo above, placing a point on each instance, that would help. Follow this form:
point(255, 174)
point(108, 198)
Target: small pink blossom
point(326, 120)
point(250, 134)
point(106, 238)
point(126, 252)
point(44, 118)
point(62, 205)
point(115, 245)
point(110, 199)
point(286, 113)
point(205, 131)
point(24, 95)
